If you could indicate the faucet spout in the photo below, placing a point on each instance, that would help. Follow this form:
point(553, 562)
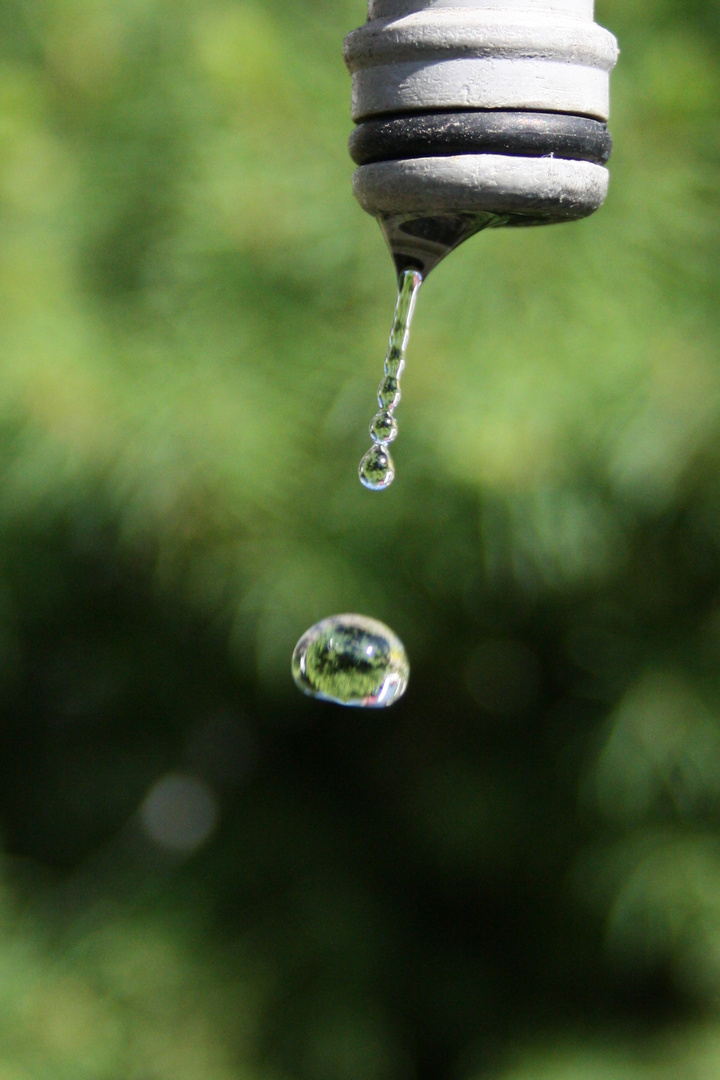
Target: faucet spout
point(471, 114)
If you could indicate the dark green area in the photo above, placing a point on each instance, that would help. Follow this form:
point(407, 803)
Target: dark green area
point(514, 874)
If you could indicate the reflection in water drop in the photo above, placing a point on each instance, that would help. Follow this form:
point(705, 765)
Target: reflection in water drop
point(351, 660)
point(384, 427)
point(376, 468)
point(389, 394)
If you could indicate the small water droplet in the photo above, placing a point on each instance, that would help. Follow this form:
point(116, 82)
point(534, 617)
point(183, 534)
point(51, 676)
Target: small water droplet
point(351, 660)
point(389, 393)
point(376, 468)
point(384, 427)
point(394, 362)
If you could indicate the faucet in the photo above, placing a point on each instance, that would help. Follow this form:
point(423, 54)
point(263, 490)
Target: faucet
point(477, 113)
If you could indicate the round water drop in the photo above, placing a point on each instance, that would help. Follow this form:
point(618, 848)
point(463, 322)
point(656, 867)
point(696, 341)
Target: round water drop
point(376, 468)
point(384, 427)
point(351, 660)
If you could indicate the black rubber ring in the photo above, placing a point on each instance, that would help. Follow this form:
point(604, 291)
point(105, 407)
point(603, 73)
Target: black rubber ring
point(520, 134)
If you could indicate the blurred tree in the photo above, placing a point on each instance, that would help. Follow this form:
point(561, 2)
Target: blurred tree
point(514, 874)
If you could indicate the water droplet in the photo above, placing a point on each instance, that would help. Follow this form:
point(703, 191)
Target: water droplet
point(351, 660)
point(376, 468)
point(394, 362)
point(384, 427)
point(389, 393)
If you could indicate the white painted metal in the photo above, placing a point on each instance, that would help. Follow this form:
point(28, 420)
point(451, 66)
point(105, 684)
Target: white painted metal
point(541, 86)
point(477, 32)
point(394, 9)
point(482, 182)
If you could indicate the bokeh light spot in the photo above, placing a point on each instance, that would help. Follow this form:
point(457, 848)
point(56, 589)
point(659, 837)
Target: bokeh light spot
point(179, 813)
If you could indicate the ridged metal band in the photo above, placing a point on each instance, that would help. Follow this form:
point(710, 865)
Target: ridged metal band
point(480, 84)
point(534, 190)
point(395, 9)
point(437, 35)
point(474, 57)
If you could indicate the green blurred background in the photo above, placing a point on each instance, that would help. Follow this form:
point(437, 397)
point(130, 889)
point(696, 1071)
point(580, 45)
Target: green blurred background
point(515, 873)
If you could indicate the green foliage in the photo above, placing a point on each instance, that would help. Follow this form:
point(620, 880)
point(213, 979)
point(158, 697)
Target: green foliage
point(514, 874)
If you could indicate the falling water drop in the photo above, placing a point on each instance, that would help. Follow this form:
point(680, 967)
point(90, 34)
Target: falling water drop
point(351, 660)
point(377, 470)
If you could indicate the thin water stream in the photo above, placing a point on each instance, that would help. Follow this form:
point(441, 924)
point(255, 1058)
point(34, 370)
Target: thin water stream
point(376, 468)
point(417, 245)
